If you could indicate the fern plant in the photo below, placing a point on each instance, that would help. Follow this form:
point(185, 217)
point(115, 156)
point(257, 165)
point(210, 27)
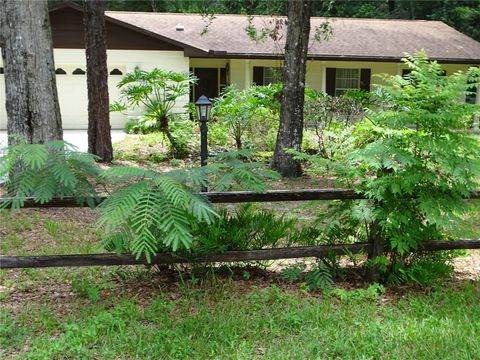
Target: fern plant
point(320, 277)
point(160, 212)
point(234, 168)
point(154, 211)
point(45, 171)
point(147, 212)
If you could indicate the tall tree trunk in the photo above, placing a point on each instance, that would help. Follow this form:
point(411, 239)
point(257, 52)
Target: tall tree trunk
point(99, 137)
point(32, 106)
point(290, 133)
point(391, 6)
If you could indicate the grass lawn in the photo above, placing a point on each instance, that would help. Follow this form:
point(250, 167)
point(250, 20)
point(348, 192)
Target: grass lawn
point(141, 313)
point(230, 321)
point(235, 312)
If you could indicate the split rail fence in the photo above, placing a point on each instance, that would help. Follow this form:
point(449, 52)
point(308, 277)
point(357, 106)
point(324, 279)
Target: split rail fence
point(108, 259)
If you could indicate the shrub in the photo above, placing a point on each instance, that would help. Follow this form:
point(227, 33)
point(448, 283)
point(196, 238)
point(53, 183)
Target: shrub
point(328, 121)
point(247, 113)
point(146, 212)
point(416, 147)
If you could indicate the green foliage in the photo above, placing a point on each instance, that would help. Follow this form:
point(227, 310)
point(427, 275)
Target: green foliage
point(413, 158)
point(423, 268)
point(45, 171)
point(155, 92)
point(237, 168)
point(157, 212)
point(182, 129)
point(417, 149)
point(372, 292)
point(330, 120)
point(247, 113)
point(247, 229)
point(218, 136)
point(154, 211)
point(88, 288)
point(11, 332)
point(319, 278)
point(293, 273)
point(234, 320)
point(146, 212)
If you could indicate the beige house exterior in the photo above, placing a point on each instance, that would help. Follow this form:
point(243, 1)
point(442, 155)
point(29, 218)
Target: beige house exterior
point(359, 50)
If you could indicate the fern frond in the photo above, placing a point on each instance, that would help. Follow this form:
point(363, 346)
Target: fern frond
point(201, 209)
point(117, 209)
point(127, 172)
point(44, 171)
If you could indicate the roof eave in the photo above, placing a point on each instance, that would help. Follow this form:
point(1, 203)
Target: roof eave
point(268, 56)
point(187, 48)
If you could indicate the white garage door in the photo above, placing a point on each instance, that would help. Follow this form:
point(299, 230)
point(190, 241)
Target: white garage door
point(72, 95)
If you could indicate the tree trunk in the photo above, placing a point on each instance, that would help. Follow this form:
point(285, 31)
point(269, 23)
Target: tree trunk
point(32, 106)
point(391, 6)
point(99, 136)
point(290, 133)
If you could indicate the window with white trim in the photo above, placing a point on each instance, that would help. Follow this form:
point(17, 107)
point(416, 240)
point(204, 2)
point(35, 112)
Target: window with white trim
point(346, 79)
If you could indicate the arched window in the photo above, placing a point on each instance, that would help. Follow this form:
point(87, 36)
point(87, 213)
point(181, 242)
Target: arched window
point(116, 72)
point(60, 71)
point(78, 71)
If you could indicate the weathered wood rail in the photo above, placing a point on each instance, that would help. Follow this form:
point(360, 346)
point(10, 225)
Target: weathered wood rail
point(9, 262)
point(241, 197)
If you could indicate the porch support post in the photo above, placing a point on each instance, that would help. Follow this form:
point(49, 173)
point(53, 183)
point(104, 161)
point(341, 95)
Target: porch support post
point(248, 75)
point(476, 117)
point(324, 77)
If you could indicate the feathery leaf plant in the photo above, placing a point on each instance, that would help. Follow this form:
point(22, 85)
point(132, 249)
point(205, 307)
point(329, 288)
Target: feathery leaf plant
point(414, 158)
point(45, 171)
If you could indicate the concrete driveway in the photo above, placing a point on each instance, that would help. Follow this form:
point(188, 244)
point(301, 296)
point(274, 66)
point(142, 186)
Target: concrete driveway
point(78, 138)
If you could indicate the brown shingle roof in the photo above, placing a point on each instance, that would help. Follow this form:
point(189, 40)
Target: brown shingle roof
point(372, 39)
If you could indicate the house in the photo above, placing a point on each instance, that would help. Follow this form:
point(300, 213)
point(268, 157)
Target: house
point(219, 52)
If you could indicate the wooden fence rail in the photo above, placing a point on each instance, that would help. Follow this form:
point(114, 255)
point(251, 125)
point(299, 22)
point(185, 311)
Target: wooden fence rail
point(242, 197)
point(9, 262)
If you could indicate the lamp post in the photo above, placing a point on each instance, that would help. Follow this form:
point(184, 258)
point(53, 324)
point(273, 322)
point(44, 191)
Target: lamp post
point(203, 106)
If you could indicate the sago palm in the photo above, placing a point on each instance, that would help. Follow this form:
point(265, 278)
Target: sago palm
point(155, 92)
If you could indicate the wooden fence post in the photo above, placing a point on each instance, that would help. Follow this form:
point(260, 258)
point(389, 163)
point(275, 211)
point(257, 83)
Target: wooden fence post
point(376, 241)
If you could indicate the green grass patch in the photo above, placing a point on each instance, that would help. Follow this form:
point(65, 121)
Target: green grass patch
point(142, 148)
point(226, 322)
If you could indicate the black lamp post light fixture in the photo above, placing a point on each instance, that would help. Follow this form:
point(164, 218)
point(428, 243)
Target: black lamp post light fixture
point(203, 106)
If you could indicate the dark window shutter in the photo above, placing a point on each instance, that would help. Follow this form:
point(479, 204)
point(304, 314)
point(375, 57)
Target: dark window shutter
point(258, 75)
point(330, 81)
point(365, 75)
